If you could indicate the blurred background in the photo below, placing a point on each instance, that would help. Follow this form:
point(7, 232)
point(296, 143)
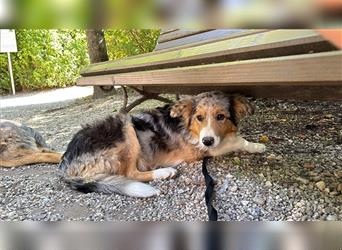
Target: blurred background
point(171, 13)
point(167, 236)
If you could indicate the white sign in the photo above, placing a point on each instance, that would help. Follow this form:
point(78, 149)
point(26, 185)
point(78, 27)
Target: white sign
point(8, 42)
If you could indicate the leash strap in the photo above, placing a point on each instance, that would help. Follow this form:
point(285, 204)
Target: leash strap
point(209, 192)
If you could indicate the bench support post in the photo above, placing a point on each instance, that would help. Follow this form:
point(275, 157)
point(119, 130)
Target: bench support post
point(145, 96)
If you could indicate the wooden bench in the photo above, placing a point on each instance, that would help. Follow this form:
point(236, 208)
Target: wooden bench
point(260, 63)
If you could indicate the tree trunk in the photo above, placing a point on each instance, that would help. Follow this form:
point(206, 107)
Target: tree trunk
point(97, 51)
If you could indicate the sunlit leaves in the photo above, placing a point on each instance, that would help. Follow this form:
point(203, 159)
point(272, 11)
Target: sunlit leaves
point(53, 58)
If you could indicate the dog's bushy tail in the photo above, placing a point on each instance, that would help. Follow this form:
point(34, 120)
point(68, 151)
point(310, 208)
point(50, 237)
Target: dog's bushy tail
point(113, 184)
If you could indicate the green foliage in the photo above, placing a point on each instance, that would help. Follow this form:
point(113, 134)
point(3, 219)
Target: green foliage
point(45, 59)
point(53, 58)
point(127, 42)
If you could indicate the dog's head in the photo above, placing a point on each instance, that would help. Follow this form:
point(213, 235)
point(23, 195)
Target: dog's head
point(212, 116)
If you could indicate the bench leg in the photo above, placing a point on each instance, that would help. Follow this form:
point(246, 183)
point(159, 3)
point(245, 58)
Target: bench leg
point(145, 96)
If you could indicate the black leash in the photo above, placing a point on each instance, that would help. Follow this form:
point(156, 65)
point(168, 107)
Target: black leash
point(209, 192)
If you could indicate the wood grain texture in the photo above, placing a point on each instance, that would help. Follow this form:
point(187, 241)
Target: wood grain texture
point(165, 31)
point(267, 44)
point(322, 92)
point(215, 38)
point(210, 35)
point(94, 69)
point(311, 69)
point(178, 34)
point(104, 80)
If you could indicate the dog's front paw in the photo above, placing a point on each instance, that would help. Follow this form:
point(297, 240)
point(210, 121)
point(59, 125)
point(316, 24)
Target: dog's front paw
point(256, 148)
point(164, 173)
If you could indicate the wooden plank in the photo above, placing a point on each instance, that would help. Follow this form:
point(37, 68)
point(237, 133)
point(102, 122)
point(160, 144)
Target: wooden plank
point(217, 39)
point(311, 69)
point(178, 34)
point(165, 31)
point(322, 92)
point(197, 38)
point(246, 33)
point(268, 44)
point(213, 36)
point(103, 80)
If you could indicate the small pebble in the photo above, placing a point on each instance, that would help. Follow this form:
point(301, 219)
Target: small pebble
point(320, 185)
point(244, 203)
point(302, 180)
point(271, 157)
point(309, 165)
point(268, 184)
point(331, 217)
point(258, 200)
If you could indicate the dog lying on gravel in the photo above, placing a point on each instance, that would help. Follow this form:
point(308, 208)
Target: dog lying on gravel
point(117, 154)
point(22, 145)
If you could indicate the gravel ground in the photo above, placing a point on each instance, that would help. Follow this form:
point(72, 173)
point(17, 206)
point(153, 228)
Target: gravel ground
point(298, 178)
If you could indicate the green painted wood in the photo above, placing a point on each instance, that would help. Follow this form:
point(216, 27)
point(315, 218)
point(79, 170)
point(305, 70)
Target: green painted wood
point(211, 37)
point(298, 70)
point(195, 38)
point(311, 69)
point(175, 35)
point(214, 52)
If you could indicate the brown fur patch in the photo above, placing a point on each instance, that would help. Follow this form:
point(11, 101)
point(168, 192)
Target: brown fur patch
point(26, 157)
point(182, 108)
point(184, 153)
point(242, 107)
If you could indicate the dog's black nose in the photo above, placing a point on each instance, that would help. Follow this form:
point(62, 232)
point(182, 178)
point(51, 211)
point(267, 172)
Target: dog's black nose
point(208, 141)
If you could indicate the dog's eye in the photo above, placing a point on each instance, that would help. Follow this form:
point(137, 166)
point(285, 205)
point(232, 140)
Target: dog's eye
point(200, 118)
point(220, 117)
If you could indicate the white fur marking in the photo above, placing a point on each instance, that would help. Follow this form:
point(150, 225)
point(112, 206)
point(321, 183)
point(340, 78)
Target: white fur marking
point(164, 173)
point(237, 143)
point(208, 131)
point(139, 189)
point(255, 147)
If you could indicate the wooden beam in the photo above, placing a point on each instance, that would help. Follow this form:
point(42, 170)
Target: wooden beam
point(156, 52)
point(194, 38)
point(165, 31)
point(211, 37)
point(104, 80)
point(178, 34)
point(267, 44)
point(323, 92)
point(310, 69)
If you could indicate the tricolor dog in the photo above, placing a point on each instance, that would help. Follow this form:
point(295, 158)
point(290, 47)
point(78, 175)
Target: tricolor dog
point(21, 145)
point(118, 154)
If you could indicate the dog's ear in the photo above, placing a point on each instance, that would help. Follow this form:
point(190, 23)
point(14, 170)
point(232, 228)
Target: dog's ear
point(182, 108)
point(241, 107)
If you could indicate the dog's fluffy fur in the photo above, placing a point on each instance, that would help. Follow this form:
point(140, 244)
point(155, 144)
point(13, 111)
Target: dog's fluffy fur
point(117, 154)
point(22, 145)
